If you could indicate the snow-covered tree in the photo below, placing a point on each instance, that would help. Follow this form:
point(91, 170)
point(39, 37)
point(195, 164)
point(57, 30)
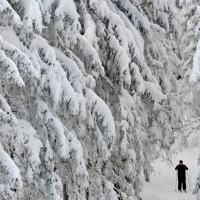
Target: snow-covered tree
point(196, 178)
point(189, 84)
point(189, 34)
point(87, 96)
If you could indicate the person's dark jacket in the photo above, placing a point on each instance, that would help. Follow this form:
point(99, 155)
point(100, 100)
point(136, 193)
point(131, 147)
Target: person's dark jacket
point(181, 170)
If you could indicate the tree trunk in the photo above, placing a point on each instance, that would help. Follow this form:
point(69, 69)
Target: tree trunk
point(65, 195)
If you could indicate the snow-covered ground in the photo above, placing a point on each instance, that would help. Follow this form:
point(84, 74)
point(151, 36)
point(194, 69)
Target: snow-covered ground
point(162, 185)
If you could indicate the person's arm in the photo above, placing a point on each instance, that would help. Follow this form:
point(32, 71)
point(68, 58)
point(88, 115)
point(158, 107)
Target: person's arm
point(176, 167)
point(186, 167)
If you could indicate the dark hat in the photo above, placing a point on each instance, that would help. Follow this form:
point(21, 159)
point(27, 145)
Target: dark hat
point(180, 161)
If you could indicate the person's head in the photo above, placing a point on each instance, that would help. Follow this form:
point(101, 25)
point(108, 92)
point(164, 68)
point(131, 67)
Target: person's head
point(180, 162)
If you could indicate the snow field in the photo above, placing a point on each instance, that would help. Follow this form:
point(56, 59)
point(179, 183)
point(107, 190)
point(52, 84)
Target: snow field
point(162, 183)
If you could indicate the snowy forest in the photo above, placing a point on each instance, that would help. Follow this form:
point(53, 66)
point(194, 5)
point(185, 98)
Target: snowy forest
point(92, 92)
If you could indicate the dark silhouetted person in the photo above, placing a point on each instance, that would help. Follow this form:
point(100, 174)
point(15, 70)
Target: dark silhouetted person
point(181, 175)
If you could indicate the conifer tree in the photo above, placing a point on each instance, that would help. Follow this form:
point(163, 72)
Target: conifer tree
point(190, 71)
point(87, 96)
point(196, 179)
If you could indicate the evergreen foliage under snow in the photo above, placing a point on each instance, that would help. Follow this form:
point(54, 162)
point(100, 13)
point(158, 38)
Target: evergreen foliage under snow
point(87, 95)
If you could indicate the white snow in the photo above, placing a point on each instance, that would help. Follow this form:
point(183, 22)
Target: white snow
point(32, 18)
point(4, 5)
point(67, 8)
point(162, 183)
point(31, 142)
point(196, 71)
point(90, 52)
point(10, 168)
point(12, 72)
point(91, 73)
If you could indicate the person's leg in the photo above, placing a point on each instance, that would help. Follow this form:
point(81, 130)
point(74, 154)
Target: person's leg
point(184, 183)
point(179, 183)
